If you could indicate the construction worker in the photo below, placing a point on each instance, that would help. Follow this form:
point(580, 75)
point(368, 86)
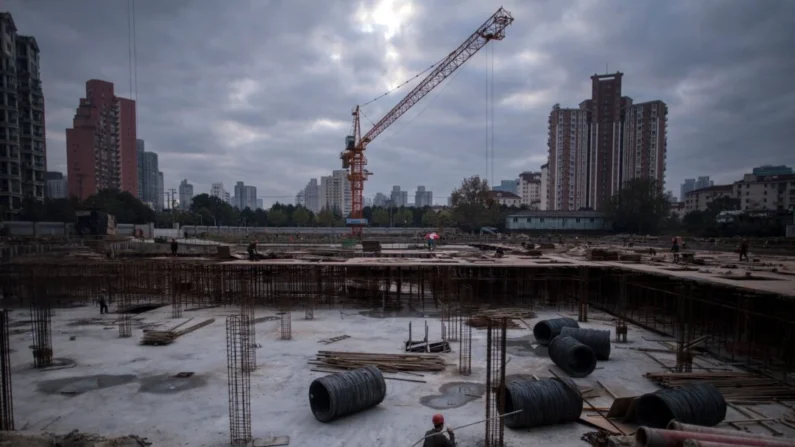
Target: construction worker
point(744, 250)
point(174, 247)
point(435, 437)
point(252, 251)
point(103, 302)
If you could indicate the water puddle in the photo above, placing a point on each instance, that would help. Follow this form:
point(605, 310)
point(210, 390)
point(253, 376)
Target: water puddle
point(71, 386)
point(454, 395)
point(165, 384)
point(523, 347)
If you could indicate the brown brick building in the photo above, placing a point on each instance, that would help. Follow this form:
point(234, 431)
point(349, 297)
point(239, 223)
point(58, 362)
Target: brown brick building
point(101, 145)
point(605, 142)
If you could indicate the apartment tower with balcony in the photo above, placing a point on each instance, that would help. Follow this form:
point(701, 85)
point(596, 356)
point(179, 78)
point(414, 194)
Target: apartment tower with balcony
point(23, 152)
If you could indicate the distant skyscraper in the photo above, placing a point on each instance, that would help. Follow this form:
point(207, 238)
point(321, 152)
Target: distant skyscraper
point(260, 204)
point(399, 198)
point(703, 182)
point(101, 148)
point(217, 190)
point(185, 194)
point(422, 197)
point(24, 148)
point(544, 187)
point(148, 176)
point(161, 194)
point(686, 187)
point(312, 196)
point(245, 197)
point(380, 199)
point(335, 192)
point(507, 185)
point(607, 141)
point(56, 185)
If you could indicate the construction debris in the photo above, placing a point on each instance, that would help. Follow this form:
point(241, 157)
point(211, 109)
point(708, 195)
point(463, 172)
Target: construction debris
point(733, 385)
point(483, 318)
point(384, 362)
point(160, 338)
point(331, 340)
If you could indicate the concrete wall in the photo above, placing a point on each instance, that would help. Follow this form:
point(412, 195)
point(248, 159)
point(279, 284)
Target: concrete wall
point(196, 230)
point(556, 223)
point(26, 228)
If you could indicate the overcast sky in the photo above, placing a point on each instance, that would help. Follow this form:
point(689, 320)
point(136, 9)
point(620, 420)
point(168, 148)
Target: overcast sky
point(261, 90)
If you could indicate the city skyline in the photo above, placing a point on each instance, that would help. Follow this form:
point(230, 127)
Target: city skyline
point(194, 144)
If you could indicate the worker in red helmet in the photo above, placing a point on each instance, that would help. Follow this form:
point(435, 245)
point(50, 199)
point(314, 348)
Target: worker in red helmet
point(435, 437)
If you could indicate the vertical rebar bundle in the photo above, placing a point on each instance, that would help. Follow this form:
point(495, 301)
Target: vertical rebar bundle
point(286, 326)
point(239, 379)
point(451, 321)
point(495, 383)
point(125, 318)
point(6, 398)
point(41, 326)
point(176, 304)
point(465, 349)
point(247, 310)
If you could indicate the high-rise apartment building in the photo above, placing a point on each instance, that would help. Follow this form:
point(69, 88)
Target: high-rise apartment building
point(398, 198)
point(380, 199)
point(335, 192)
point(217, 190)
point(703, 182)
point(23, 153)
point(423, 197)
point(185, 194)
point(544, 205)
point(529, 189)
point(688, 185)
point(245, 196)
point(148, 170)
point(101, 148)
point(607, 141)
point(56, 185)
point(312, 196)
point(160, 202)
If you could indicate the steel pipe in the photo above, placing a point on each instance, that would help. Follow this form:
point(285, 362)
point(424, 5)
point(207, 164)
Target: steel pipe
point(653, 437)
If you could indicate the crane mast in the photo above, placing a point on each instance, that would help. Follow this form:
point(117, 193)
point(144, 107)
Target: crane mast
point(353, 157)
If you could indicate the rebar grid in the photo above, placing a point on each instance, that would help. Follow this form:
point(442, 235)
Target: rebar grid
point(495, 383)
point(41, 324)
point(465, 348)
point(239, 379)
point(286, 325)
point(6, 397)
point(118, 292)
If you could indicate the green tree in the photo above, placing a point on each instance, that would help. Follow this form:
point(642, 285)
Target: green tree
point(125, 207)
point(639, 207)
point(277, 218)
point(301, 216)
point(473, 206)
point(326, 218)
point(214, 211)
point(430, 218)
point(380, 217)
point(403, 217)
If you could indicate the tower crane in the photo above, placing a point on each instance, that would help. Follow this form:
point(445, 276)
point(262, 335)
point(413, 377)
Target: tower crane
point(353, 156)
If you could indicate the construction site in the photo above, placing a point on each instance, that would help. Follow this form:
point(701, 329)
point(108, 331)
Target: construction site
point(217, 350)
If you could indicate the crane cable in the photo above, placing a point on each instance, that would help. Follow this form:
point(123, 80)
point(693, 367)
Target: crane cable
point(403, 84)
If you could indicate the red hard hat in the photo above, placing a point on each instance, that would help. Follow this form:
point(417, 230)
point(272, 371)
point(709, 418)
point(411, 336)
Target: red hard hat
point(438, 419)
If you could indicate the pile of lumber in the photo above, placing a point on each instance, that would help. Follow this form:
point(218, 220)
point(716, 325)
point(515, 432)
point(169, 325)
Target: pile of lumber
point(159, 338)
point(735, 386)
point(384, 362)
point(481, 319)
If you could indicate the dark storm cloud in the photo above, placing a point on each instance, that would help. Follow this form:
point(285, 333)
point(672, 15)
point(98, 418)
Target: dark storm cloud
point(261, 91)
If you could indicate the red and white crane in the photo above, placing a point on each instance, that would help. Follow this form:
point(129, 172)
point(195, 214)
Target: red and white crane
point(353, 157)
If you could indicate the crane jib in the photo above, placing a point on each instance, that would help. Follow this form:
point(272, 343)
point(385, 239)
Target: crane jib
point(353, 157)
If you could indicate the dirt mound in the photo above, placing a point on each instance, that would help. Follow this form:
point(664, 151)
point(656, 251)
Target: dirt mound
point(73, 439)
